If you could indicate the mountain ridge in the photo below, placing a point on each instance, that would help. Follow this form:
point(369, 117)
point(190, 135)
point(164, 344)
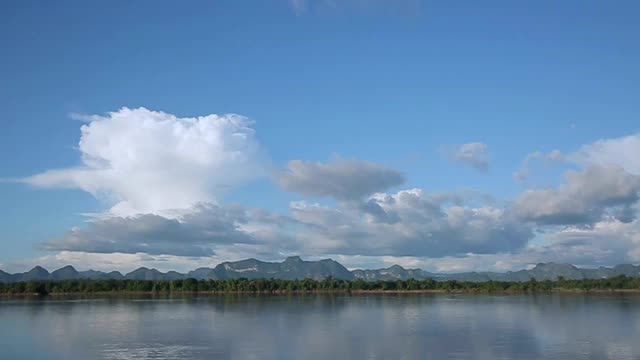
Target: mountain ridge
point(294, 267)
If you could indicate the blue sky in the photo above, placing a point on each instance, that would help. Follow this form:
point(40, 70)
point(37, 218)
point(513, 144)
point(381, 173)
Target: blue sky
point(400, 85)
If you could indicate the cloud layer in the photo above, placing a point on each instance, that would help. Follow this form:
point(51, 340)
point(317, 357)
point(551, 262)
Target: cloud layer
point(344, 179)
point(585, 197)
point(622, 151)
point(194, 233)
point(162, 175)
point(143, 161)
point(409, 222)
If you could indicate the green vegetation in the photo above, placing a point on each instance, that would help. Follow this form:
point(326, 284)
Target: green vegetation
point(308, 285)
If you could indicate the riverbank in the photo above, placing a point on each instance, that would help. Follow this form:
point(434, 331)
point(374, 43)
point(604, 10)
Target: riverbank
point(324, 292)
point(309, 286)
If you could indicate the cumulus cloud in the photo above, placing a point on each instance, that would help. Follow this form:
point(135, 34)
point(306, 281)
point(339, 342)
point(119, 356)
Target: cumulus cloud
point(162, 175)
point(475, 154)
point(344, 179)
point(409, 222)
point(194, 233)
point(623, 151)
point(586, 197)
point(144, 161)
point(606, 242)
point(422, 225)
point(525, 170)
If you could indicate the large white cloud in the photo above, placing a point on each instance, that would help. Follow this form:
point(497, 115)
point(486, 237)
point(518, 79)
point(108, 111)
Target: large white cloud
point(144, 161)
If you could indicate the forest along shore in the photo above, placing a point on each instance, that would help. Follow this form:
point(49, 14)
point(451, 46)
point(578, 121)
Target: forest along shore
point(280, 286)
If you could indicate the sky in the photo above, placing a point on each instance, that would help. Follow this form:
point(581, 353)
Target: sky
point(450, 136)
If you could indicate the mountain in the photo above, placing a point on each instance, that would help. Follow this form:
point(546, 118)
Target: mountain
point(35, 274)
point(541, 272)
point(295, 268)
point(202, 273)
point(144, 273)
point(99, 275)
point(552, 271)
point(291, 268)
point(65, 273)
point(395, 272)
point(6, 277)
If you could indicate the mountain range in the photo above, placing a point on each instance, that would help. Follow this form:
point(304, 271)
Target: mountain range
point(295, 268)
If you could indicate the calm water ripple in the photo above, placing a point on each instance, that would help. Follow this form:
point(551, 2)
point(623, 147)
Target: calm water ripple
point(323, 327)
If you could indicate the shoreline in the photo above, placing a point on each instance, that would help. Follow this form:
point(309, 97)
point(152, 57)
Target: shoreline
point(330, 292)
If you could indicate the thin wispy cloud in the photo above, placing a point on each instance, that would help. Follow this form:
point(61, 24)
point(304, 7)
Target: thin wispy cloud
point(474, 155)
point(524, 172)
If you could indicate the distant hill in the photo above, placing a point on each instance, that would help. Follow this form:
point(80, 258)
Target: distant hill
point(541, 272)
point(296, 268)
point(395, 272)
point(65, 273)
point(291, 268)
point(6, 277)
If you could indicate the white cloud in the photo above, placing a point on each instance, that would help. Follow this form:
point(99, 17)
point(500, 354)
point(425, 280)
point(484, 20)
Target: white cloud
point(196, 232)
point(525, 170)
point(122, 262)
point(623, 151)
point(162, 176)
point(344, 179)
point(409, 222)
point(143, 161)
point(605, 242)
point(475, 154)
point(586, 197)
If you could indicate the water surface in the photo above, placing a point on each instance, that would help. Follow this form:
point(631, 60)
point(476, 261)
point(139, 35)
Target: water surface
point(323, 327)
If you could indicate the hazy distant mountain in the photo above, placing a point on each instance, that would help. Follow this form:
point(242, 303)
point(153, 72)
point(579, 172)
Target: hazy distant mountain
point(99, 275)
point(541, 272)
point(292, 268)
point(6, 277)
point(65, 273)
point(201, 273)
point(144, 273)
point(35, 274)
point(296, 268)
point(395, 272)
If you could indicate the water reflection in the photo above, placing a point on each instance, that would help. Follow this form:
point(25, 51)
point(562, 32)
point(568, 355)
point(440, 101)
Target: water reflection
point(321, 327)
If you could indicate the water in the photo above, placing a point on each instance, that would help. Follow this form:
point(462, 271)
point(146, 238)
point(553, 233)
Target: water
point(323, 327)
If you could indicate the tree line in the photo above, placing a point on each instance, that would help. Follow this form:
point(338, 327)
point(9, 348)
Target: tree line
point(308, 285)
